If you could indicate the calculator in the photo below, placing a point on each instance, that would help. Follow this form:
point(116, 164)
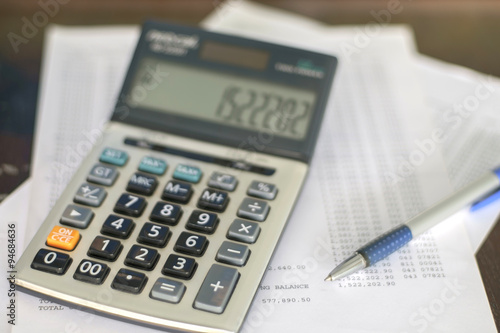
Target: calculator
point(172, 218)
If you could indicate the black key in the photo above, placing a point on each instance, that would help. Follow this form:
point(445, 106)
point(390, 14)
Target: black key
point(177, 192)
point(179, 266)
point(105, 248)
point(203, 222)
point(117, 226)
point(131, 205)
point(166, 213)
point(191, 244)
point(154, 234)
point(129, 281)
point(142, 184)
point(142, 257)
point(91, 271)
point(51, 262)
point(213, 200)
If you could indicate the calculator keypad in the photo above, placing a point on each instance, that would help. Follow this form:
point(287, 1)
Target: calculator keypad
point(244, 231)
point(51, 261)
point(179, 266)
point(204, 222)
point(141, 257)
point(166, 213)
point(153, 165)
point(177, 192)
point(91, 271)
point(216, 289)
point(63, 238)
point(114, 156)
point(223, 181)
point(190, 243)
point(131, 205)
point(233, 253)
point(103, 175)
point(253, 209)
point(77, 216)
point(168, 290)
point(152, 248)
point(90, 195)
point(105, 248)
point(213, 200)
point(262, 190)
point(129, 281)
point(187, 173)
point(142, 184)
point(154, 234)
point(117, 226)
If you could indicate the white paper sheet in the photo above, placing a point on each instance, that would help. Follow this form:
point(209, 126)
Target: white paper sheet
point(465, 106)
point(370, 128)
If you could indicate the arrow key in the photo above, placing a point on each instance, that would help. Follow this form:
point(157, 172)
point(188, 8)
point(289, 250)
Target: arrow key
point(77, 216)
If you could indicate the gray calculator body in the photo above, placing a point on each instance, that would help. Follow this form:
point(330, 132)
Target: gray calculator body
point(172, 218)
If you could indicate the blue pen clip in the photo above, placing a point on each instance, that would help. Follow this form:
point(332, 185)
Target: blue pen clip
point(489, 199)
point(485, 202)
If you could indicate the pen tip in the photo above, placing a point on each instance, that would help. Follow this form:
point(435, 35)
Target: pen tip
point(329, 278)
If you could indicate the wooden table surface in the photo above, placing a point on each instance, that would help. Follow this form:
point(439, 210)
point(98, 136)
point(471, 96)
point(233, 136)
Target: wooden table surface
point(461, 32)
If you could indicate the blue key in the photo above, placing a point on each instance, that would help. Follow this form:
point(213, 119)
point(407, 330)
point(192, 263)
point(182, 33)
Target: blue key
point(114, 156)
point(153, 165)
point(187, 173)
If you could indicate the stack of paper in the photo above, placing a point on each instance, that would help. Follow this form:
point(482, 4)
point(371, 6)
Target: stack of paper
point(401, 132)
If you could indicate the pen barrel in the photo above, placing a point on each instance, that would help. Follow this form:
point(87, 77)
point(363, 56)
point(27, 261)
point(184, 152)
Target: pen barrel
point(469, 194)
point(385, 244)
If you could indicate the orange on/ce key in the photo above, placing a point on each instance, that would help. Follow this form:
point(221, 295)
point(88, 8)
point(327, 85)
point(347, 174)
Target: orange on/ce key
point(63, 238)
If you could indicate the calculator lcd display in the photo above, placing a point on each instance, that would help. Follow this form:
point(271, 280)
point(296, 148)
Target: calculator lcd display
point(226, 99)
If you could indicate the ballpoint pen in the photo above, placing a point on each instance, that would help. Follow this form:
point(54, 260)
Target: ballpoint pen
point(392, 240)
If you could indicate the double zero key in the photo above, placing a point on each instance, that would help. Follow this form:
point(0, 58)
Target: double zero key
point(91, 272)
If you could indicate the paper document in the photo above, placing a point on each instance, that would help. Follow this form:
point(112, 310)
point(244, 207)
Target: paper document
point(465, 107)
point(369, 173)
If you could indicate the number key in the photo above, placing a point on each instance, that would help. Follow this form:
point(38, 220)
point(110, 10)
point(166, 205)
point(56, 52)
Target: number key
point(179, 266)
point(105, 248)
point(142, 257)
point(91, 271)
point(191, 244)
point(51, 261)
point(131, 205)
point(154, 234)
point(166, 213)
point(117, 226)
point(202, 221)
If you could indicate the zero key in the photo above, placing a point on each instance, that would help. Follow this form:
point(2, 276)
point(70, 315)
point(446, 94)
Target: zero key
point(51, 261)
